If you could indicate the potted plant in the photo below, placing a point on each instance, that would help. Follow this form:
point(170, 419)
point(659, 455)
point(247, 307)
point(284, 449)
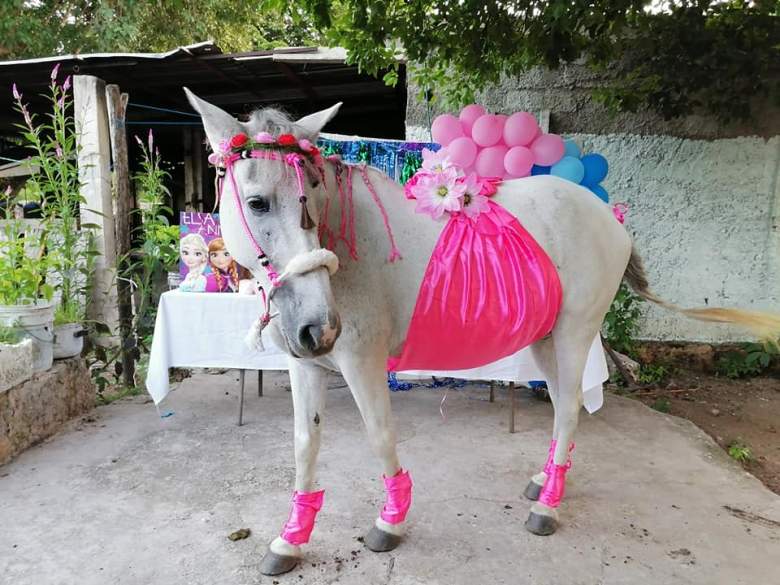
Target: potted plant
point(54, 147)
point(26, 310)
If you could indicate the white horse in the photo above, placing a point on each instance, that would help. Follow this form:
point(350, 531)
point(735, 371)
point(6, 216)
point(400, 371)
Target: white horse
point(351, 321)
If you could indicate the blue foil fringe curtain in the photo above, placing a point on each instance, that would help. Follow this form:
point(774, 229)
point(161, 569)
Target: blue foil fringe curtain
point(399, 160)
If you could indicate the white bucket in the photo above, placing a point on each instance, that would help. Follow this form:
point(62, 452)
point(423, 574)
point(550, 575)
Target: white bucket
point(68, 340)
point(36, 322)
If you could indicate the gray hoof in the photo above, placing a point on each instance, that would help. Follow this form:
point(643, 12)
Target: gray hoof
point(532, 490)
point(381, 541)
point(274, 564)
point(541, 524)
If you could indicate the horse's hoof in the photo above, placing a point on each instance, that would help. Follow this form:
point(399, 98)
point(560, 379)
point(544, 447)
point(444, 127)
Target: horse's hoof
point(532, 490)
point(380, 541)
point(274, 564)
point(541, 524)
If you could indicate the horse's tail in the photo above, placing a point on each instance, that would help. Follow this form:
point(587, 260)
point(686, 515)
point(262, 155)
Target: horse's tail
point(765, 326)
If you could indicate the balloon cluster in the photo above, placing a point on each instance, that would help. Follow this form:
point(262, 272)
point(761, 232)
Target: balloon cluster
point(510, 147)
point(587, 170)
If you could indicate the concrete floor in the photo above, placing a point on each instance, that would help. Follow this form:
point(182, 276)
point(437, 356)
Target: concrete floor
point(126, 497)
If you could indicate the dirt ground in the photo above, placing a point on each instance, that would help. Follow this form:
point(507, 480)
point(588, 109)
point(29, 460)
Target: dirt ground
point(744, 411)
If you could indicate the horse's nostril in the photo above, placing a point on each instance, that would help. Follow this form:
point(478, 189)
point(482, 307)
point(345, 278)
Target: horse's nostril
point(309, 336)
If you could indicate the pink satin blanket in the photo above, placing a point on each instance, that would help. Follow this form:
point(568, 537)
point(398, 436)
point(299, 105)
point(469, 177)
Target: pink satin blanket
point(489, 291)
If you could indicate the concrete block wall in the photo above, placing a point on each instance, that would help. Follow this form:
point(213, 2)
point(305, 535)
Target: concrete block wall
point(703, 198)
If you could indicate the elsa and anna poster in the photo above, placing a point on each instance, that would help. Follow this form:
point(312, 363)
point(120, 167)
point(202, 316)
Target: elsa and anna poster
point(205, 265)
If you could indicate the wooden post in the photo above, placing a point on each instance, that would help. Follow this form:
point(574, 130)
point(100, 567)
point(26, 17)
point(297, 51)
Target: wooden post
point(117, 108)
point(492, 391)
point(94, 160)
point(259, 382)
point(193, 169)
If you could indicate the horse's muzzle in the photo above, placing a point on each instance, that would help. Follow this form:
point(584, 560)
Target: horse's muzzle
point(317, 338)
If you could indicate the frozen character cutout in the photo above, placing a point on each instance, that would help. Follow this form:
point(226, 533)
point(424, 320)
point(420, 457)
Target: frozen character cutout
point(225, 271)
point(194, 254)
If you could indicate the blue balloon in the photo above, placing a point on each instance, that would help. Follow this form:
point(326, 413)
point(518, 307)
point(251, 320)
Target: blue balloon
point(571, 148)
point(569, 168)
point(539, 170)
point(600, 192)
point(596, 168)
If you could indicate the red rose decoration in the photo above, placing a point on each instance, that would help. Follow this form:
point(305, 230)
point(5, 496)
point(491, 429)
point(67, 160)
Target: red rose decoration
point(239, 140)
point(286, 140)
point(314, 151)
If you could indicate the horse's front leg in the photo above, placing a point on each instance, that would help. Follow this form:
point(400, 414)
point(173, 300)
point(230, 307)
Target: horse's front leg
point(367, 379)
point(308, 383)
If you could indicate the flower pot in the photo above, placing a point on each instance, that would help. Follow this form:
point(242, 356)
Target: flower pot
point(68, 340)
point(34, 321)
point(16, 363)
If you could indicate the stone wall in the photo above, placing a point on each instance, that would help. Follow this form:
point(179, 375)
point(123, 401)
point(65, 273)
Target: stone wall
point(704, 198)
point(36, 409)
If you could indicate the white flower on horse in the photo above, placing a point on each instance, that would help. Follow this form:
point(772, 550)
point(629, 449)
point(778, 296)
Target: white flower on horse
point(439, 193)
point(436, 162)
point(474, 202)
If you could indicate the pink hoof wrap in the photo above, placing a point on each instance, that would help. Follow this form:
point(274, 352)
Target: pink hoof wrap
point(303, 512)
point(399, 497)
point(552, 492)
point(549, 463)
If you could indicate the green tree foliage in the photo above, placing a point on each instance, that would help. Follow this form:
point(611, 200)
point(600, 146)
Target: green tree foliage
point(35, 28)
point(675, 57)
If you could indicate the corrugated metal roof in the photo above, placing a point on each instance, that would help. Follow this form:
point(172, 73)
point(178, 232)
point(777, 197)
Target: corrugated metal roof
point(301, 79)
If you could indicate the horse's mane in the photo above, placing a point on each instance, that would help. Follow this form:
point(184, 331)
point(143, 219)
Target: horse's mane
point(275, 122)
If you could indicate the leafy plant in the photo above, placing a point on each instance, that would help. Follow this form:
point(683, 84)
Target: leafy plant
point(738, 451)
point(622, 321)
point(23, 261)
point(652, 373)
point(54, 149)
point(9, 335)
point(750, 360)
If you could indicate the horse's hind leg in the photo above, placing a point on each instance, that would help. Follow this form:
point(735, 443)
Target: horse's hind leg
point(367, 379)
point(308, 383)
point(572, 342)
point(544, 355)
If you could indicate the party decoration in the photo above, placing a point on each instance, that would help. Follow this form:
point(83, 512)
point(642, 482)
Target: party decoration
point(518, 161)
point(596, 168)
point(539, 170)
point(462, 151)
point(446, 128)
point(520, 129)
point(469, 115)
point(548, 149)
point(490, 161)
point(601, 193)
point(571, 148)
point(487, 130)
point(570, 168)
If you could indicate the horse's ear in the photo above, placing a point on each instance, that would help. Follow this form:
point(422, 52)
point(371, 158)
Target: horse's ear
point(219, 125)
point(314, 123)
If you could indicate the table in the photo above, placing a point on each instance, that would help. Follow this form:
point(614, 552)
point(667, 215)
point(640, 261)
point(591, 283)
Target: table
point(207, 330)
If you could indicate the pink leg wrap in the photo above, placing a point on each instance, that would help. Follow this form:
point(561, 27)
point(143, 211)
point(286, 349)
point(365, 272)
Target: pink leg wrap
point(399, 497)
point(303, 512)
point(554, 485)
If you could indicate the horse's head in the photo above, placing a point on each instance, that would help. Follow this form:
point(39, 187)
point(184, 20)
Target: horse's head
point(266, 227)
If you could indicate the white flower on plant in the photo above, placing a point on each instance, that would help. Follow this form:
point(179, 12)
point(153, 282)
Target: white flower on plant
point(439, 193)
point(473, 202)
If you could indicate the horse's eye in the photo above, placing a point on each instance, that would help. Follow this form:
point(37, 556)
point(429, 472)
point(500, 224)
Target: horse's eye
point(259, 204)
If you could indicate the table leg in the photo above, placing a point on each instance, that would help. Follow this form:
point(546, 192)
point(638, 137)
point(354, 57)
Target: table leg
point(511, 407)
point(492, 391)
point(241, 377)
point(259, 382)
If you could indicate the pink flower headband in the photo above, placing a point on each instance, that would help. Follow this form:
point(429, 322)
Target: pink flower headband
point(264, 141)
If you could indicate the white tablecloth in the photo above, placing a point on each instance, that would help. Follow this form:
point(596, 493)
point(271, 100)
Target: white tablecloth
point(207, 330)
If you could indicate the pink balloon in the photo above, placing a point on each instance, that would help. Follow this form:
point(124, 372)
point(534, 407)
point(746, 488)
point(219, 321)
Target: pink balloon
point(462, 151)
point(520, 129)
point(490, 161)
point(445, 129)
point(548, 149)
point(518, 161)
point(486, 131)
point(469, 115)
